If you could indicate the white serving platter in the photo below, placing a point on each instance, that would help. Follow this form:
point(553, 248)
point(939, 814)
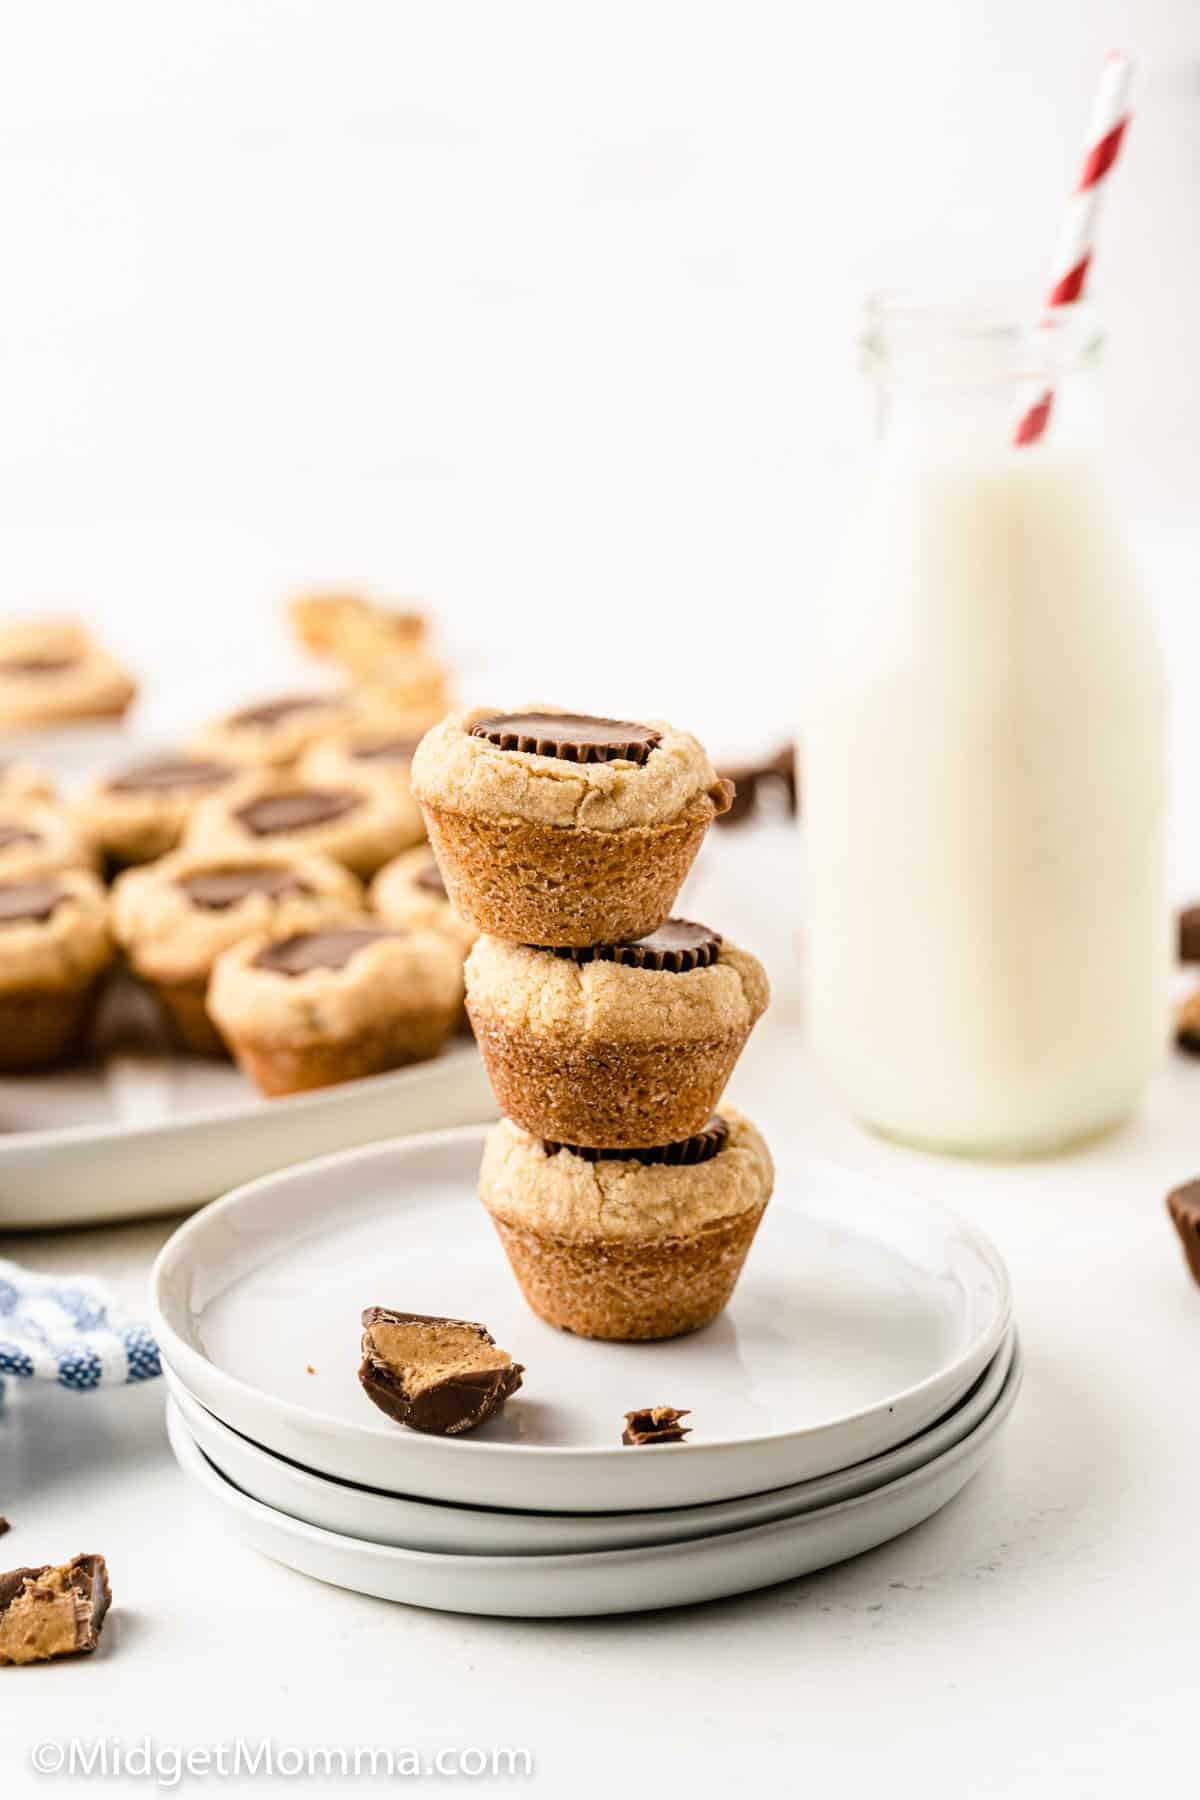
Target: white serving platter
point(379, 1518)
point(611, 1581)
point(861, 1318)
point(134, 1134)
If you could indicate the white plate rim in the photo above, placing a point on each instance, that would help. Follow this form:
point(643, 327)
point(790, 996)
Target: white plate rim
point(193, 1460)
point(203, 1377)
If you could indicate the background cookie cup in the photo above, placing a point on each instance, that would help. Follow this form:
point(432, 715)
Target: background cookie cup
point(53, 672)
point(314, 1008)
point(40, 836)
point(410, 891)
point(175, 918)
point(561, 828)
point(368, 754)
point(54, 951)
point(141, 812)
point(360, 825)
point(622, 1247)
point(273, 733)
point(623, 1045)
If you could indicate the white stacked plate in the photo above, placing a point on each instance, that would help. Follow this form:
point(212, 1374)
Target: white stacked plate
point(861, 1376)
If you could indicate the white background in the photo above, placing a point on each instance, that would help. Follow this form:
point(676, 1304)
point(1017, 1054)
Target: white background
point(545, 311)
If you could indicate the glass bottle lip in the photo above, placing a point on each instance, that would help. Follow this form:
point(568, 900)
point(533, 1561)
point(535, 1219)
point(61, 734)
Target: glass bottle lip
point(981, 336)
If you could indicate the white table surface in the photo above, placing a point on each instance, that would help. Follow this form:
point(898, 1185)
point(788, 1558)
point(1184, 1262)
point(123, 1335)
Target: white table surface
point(1037, 1637)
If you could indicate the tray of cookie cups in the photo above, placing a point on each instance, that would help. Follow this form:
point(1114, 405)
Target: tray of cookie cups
point(53, 672)
point(628, 1244)
point(562, 828)
point(274, 733)
point(359, 823)
point(619, 1045)
point(141, 811)
point(174, 918)
point(313, 1008)
point(40, 836)
point(55, 950)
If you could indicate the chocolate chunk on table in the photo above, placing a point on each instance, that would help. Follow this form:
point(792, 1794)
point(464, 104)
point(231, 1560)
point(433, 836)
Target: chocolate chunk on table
point(51, 1612)
point(752, 780)
point(1183, 1204)
point(442, 1376)
point(655, 1425)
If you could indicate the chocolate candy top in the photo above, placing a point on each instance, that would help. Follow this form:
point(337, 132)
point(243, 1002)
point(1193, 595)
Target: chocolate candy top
point(391, 749)
point(269, 712)
point(23, 902)
point(572, 737)
point(678, 946)
point(430, 879)
point(320, 949)
point(698, 1149)
point(296, 811)
point(17, 834)
point(166, 774)
point(218, 889)
point(37, 665)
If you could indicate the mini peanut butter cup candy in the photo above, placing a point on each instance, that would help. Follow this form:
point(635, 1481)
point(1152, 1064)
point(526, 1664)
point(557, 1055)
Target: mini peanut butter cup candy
point(362, 824)
point(53, 672)
point(627, 1246)
point(140, 812)
point(443, 1376)
point(174, 917)
point(275, 732)
point(617, 1046)
point(1183, 1204)
point(352, 996)
point(564, 829)
point(55, 951)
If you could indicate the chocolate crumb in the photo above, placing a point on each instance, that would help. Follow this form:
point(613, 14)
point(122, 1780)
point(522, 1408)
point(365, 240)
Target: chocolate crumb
point(4, 1525)
point(655, 1425)
point(1183, 1204)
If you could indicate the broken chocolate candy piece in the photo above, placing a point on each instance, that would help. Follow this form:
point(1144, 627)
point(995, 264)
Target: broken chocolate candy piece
point(332, 949)
point(678, 946)
point(29, 902)
point(701, 1147)
point(269, 712)
point(1187, 1025)
point(296, 811)
point(1189, 934)
point(51, 1612)
point(571, 737)
point(443, 1376)
point(655, 1425)
point(752, 780)
point(169, 774)
point(1183, 1204)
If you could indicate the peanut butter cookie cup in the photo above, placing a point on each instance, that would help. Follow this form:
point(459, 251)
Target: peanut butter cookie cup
point(174, 918)
point(359, 824)
point(272, 734)
point(141, 812)
point(410, 891)
point(563, 828)
point(38, 837)
point(314, 1008)
point(55, 949)
point(621, 1044)
point(628, 1244)
point(53, 672)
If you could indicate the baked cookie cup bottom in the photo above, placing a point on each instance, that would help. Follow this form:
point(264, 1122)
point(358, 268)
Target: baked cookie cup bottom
point(629, 1290)
point(278, 1068)
point(46, 1026)
point(183, 1004)
point(531, 883)
point(615, 1096)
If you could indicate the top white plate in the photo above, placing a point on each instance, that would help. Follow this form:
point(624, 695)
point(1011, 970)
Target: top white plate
point(862, 1316)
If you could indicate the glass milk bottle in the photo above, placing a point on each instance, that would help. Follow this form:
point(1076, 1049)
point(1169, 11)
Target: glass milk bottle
point(984, 758)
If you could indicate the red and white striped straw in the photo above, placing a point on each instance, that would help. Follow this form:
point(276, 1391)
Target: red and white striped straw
point(1076, 245)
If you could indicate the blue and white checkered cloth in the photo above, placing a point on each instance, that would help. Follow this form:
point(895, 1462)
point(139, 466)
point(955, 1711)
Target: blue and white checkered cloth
point(67, 1329)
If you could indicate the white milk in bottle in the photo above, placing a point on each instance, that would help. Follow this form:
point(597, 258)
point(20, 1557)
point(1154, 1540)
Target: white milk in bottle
point(983, 761)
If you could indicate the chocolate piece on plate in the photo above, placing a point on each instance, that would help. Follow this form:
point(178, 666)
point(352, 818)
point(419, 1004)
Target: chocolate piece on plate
point(1183, 1204)
point(655, 1425)
point(571, 737)
point(443, 1376)
point(51, 1612)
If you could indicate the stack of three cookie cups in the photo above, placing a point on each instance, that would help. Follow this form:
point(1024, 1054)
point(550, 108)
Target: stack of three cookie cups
point(625, 1202)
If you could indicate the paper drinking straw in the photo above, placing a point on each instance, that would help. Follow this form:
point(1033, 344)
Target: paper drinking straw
point(1077, 241)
